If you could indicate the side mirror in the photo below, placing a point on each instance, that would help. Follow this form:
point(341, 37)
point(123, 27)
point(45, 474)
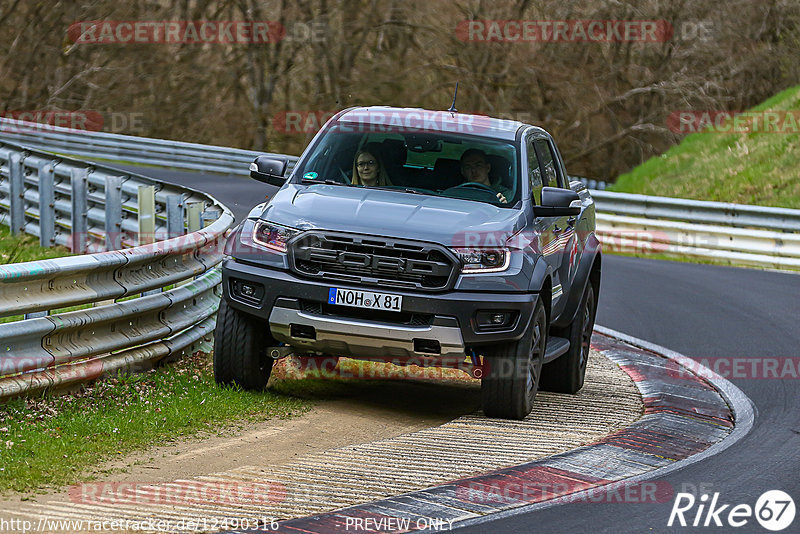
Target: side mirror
point(269, 169)
point(557, 202)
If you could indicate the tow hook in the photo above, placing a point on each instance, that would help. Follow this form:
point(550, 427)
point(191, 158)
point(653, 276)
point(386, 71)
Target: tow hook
point(276, 353)
point(475, 365)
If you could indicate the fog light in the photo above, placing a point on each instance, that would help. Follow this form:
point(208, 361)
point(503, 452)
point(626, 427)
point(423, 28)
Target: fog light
point(495, 320)
point(246, 291)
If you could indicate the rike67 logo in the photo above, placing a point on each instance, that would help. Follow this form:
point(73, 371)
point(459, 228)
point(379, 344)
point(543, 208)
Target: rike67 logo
point(774, 510)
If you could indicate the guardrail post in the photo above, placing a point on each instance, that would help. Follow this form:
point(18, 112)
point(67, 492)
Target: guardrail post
point(113, 213)
point(194, 222)
point(80, 226)
point(209, 216)
point(193, 216)
point(147, 214)
point(47, 215)
point(16, 186)
point(174, 216)
point(147, 221)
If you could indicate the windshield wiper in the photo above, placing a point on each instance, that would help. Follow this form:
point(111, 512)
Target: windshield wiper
point(405, 190)
point(315, 181)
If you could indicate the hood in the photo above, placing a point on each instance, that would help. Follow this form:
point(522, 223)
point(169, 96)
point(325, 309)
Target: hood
point(389, 213)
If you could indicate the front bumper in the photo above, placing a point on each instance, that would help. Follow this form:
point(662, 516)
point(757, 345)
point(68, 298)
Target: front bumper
point(360, 338)
point(287, 299)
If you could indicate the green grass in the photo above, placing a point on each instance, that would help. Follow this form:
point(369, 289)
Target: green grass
point(25, 247)
point(53, 441)
point(748, 168)
point(21, 248)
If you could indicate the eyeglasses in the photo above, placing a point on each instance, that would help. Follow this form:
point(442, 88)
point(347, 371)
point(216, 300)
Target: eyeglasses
point(364, 164)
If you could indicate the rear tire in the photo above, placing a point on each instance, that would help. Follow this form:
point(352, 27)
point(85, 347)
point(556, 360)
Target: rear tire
point(513, 371)
point(566, 374)
point(239, 350)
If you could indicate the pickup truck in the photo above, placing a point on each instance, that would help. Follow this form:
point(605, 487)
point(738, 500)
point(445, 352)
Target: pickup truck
point(409, 236)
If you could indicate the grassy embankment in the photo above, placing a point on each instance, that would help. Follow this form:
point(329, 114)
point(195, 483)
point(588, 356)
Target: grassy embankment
point(747, 168)
point(758, 167)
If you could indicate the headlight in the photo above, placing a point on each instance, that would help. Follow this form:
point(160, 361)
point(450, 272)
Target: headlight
point(272, 236)
point(475, 260)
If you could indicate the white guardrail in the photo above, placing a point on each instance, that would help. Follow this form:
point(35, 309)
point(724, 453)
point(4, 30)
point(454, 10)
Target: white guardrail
point(91, 208)
point(736, 234)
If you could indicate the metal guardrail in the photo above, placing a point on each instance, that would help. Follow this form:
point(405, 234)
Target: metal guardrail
point(722, 244)
point(127, 148)
point(735, 234)
point(156, 255)
point(698, 211)
point(590, 183)
point(723, 232)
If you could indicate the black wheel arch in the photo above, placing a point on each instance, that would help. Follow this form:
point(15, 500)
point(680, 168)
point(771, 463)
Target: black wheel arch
point(542, 283)
point(588, 269)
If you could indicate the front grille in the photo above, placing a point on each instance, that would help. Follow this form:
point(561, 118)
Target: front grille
point(384, 316)
point(373, 261)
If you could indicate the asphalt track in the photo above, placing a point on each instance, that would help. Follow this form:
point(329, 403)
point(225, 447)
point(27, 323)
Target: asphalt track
point(700, 311)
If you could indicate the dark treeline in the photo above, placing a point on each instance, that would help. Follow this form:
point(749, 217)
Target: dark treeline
point(607, 103)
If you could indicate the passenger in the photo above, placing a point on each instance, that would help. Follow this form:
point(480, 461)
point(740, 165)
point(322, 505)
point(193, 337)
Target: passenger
point(368, 170)
point(475, 168)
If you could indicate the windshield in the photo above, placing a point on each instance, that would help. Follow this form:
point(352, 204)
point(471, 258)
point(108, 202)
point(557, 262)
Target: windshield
point(449, 165)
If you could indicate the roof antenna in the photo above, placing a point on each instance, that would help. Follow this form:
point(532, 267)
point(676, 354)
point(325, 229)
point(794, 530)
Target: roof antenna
point(453, 105)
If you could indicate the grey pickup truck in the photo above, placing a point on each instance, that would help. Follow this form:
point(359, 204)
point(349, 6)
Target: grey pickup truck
point(413, 236)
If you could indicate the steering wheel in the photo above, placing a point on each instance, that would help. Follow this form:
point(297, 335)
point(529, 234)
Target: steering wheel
point(479, 187)
point(475, 185)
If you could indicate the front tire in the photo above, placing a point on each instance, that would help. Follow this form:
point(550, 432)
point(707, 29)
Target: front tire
point(513, 371)
point(240, 357)
point(566, 374)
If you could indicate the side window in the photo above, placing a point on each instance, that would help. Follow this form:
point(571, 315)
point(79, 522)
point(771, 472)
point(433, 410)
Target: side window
point(550, 178)
point(534, 173)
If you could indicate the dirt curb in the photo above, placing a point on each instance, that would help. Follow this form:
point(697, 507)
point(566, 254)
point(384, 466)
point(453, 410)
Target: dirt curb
point(384, 438)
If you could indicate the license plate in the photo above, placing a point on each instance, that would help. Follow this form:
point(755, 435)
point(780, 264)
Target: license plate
point(364, 299)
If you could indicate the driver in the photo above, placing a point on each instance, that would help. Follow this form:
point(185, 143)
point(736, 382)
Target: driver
point(368, 170)
point(475, 168)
